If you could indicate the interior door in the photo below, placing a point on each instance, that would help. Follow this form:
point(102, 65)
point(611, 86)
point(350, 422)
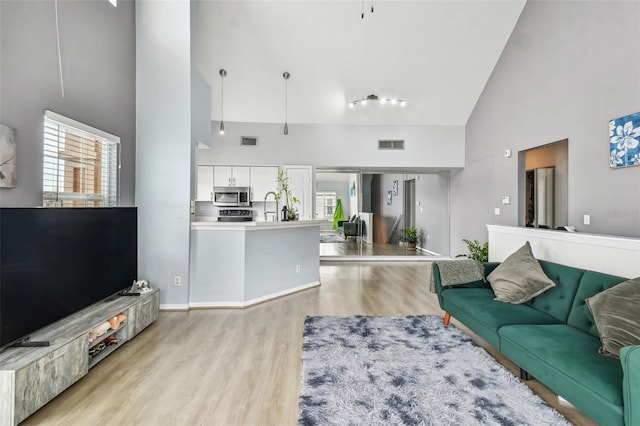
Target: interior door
point(410, 203)
point(301, 188)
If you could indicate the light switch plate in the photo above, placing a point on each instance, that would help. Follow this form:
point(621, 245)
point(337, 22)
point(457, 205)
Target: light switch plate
point(507, 153)
point(506, 199)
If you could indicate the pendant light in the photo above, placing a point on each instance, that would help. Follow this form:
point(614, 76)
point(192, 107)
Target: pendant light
point(223, 74)
point(286, 76)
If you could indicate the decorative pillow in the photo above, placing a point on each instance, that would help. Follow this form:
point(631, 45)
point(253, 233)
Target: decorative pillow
point(616, 313)
point(519, 278)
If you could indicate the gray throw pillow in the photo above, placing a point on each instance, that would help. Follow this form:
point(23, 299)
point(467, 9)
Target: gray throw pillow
point(616, 313)
point(519, 278)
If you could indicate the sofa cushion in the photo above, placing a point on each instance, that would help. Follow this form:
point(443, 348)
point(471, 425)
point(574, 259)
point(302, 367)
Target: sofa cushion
point(519, 278)
point(477, 309)
point(616, 312)
point(591, 283)
point(566, 360)
point(557, 301)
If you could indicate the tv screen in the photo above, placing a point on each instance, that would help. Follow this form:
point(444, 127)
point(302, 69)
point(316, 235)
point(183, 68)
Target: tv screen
point(57, 261)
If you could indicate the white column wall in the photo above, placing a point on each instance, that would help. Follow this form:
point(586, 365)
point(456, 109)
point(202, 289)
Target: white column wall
point(164, 148)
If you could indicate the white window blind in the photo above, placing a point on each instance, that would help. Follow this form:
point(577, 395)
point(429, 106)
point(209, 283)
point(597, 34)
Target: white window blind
point(325, 205)
point(81, 164)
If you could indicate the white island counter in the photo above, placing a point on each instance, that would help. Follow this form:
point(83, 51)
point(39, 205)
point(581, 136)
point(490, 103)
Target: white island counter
point(238, 264)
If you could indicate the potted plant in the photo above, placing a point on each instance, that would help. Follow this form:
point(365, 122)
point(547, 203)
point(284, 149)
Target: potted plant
point(410, 237)
point(289, 200)
point(477, 251)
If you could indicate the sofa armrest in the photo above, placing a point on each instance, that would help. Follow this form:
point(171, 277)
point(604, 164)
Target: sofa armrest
point(630, 359)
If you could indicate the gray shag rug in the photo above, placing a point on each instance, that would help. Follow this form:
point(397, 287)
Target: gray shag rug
point(411, 371)
point(332, 238)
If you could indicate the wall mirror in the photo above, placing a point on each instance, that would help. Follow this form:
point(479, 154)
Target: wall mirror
point(375, 214)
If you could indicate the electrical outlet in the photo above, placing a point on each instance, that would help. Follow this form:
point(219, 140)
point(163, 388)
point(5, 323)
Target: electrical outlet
point(297, 269)
point(587, 219)
point(177, 281)
point(496, 211)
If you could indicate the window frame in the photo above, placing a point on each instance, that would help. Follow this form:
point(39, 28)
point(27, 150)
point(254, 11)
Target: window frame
point(110, 152)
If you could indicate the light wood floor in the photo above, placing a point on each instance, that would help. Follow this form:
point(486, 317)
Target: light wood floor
point(353, 247)
point(239, 367)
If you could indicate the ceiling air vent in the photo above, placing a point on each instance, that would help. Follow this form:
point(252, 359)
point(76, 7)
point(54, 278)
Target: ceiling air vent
point(249, 141)
point(391, 144)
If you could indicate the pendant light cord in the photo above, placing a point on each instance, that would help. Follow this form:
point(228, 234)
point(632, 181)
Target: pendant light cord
point(59, 54)
point(222, 99)
point(362, 9)
point(223, 74)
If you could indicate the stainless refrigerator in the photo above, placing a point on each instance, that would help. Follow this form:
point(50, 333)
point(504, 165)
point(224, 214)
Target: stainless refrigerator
point(540, 197)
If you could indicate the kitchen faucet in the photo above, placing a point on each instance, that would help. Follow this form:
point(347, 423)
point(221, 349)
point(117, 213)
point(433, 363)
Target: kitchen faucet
point(275, 213)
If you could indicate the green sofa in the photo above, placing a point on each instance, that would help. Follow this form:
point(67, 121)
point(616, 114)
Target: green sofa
point(553, 338)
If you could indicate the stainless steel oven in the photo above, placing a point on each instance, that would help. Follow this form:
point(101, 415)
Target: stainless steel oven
point(231, 196)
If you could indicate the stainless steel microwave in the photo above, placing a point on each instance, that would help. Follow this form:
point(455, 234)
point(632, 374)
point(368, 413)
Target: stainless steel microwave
point(231, 196)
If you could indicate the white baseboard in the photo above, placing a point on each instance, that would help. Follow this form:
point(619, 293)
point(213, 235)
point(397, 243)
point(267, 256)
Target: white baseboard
point(247, 303)
point(174, 307)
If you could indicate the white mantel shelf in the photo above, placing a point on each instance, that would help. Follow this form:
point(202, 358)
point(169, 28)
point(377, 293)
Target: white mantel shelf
point(603, 253)
point(252, 226)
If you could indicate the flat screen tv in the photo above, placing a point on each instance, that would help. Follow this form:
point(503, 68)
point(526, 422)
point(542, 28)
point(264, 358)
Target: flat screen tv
point(57, 261)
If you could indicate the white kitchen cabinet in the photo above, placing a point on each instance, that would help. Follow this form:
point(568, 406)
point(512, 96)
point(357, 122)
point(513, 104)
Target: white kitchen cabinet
point(231, 176)
point(205, 183)
point(263, 180)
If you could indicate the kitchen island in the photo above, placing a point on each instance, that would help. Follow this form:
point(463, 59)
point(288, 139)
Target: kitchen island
point(239, 264)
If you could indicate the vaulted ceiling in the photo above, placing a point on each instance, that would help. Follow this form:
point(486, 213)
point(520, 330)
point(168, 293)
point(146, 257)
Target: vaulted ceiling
point(438, 55)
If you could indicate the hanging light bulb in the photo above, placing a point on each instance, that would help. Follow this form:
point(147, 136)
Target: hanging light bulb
point(223, 74)
point(286, 76)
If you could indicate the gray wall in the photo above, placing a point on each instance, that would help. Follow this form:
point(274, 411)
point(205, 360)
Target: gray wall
point(98, 63)
point(323, 145)
point(568, 68)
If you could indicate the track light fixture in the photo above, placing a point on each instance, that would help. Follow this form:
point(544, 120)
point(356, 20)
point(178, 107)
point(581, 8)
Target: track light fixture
point(286, 77)
point(223, 74)
point(375, 98)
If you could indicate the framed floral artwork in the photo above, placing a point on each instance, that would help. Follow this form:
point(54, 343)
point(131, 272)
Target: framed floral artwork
point(389, 197)
point(624, 141)
point(7, 157)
